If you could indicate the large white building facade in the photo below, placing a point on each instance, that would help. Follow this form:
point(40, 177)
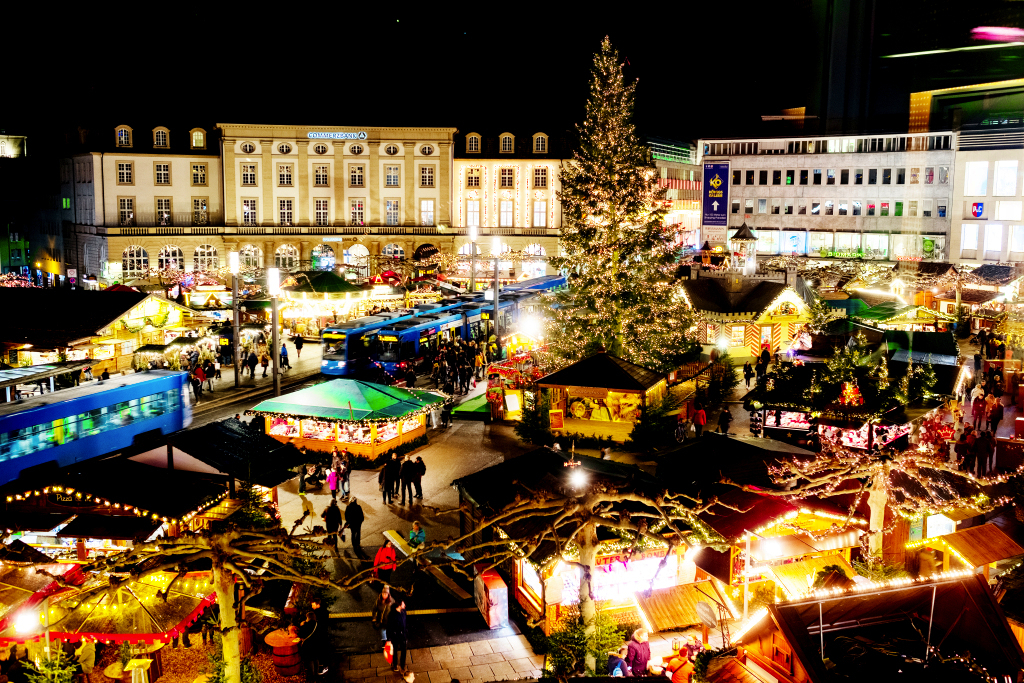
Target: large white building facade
point(987, 224)
point(886, 198)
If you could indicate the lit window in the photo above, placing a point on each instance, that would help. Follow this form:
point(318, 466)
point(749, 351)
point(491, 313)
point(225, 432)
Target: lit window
point(249, 211)
point(1008, 211)
point(199, 139)
point(391, 212)
point(473, 143)
point(163, 211)
point(540, 144)
point(198, 174)
point(473, 177)
point(170, 258)
point(163, 174)
point(391, 176)
point(285, 211)
point(540, 177)
point(320, 175)
point(126, 210)
point(286, 257)
point(393, 250)
point(249, 174)
point(506, 177)
point(540, 214)
point(160, 138)
point(736, 335)
point(134, 262)
point(323, 257)
point(506, 143)
point(124, 137)
point(199, 213)
point(284, 174)
point(355, 176)
point(976, 179)
point(250, 256)
point(1005, 181)
point(473, 213)
point(1017, 238)
point(505, 217)
point(426, 212)
point(205, 257)
point(124, 173)
point(321, 212)
point(993, 240)
point(357, 211)
point(969, 236)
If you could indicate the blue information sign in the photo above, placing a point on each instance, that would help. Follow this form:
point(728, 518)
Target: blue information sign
point(716, 195)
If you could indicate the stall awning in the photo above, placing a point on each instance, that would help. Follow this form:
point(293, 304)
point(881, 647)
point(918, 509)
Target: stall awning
point(793, 577)
point(675, 607)
point(349, 399)
point(714, 562)
point(17, 520)
point(980, 545)
point(604, 371)
point(798, 545)
point(116, 528)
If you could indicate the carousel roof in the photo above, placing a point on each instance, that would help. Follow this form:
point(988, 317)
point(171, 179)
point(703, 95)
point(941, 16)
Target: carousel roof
point(350, 399)
point(319, 282)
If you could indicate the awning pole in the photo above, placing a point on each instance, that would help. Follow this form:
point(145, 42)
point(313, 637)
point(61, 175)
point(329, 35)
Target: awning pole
point(931, 616)
point(821, 631)
point(746, 580)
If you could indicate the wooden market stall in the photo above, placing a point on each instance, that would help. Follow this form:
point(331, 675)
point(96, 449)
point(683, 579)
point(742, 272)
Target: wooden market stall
point(974, 548)
point(365, 418)
point(601, 395)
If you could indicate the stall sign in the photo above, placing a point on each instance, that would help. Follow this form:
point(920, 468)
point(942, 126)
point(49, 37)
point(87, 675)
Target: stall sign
point(485, 316)
point(588, 392)
point(557, 419)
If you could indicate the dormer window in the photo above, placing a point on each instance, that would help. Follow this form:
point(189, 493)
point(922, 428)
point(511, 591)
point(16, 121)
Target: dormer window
point(160, 137)
point(124, 136)
point(540, 143)
point(473, 143)
point(198, 138)
point(506, 144)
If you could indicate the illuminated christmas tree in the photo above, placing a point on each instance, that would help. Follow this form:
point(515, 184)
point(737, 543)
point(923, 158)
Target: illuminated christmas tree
point(851, 395)
point(617, 252)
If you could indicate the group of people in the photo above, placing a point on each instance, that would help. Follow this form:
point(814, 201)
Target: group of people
point(337, 477)
point(634, 659)
point(993, 346)
point(457, 366)
point(200, 374)
point(760, 369)
point(389, 618)
point(986, 407)
point(401, 475)
point(263, 359)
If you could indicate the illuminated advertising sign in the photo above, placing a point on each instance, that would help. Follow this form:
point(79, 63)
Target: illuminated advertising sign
point(361, 135)
point(716, 195)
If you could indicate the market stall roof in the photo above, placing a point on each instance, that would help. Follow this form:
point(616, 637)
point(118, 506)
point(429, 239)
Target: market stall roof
point(936, 343)
point(605, 371)
point(69, 315)
point(970, 296)
point(753, 297)
point(318, 282)
point(792, 577)
point(980, 545)
point(890, 310)
point(19, 551)
point(152, 348)
point(996, 275)
point(903, 356)
point(798, 545)
point(19, 520)
point(118, 528)
point(675, 607)
point(911, 269)
point(233, 448)
point(120, 288)
point(748, 461)
point(34, 373)
point(737, 512)
point(350, 399)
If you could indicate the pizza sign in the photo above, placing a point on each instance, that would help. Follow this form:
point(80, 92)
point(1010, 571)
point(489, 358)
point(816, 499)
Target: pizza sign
point(977, 208)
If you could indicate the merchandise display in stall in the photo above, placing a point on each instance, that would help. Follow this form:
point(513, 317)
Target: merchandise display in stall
point(787, 419)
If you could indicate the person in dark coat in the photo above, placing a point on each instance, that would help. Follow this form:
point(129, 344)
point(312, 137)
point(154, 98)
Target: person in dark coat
point(724, 420)
point(252, 361)
point(617, 663)
point(421, 469)
point(638, 652)
point(392, 469)
point(748, 373)
point(354, 519)
point(398, 635)
point(332, 520)
point(406, 475)
point(299, 342)
point(766, 358)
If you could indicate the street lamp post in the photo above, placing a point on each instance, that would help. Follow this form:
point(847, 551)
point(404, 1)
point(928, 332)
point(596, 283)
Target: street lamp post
point(274, 289)
point(236, 342)
point(496, 248)
point(473, 235)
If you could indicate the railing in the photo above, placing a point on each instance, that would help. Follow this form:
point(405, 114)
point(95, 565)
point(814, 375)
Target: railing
point(177, 219)
point(212, 224)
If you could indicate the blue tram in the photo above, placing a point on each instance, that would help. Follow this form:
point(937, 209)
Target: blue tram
point(61, 428)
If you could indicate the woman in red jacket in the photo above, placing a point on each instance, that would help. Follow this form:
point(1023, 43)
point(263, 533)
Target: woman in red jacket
point(384, 562)
point(700, 418)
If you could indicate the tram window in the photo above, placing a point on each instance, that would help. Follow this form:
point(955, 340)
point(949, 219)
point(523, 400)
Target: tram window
point(389, 351)
point(408, 350)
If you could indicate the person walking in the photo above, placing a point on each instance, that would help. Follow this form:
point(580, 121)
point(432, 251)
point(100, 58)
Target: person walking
point(345, 472)
point(381, 611)
point(265, 362)
point(354, 520)
point(398, 635)
point(748, 373)
point(700, 418)
point(299, 343)
point(406, 475)
point(332, 519)
point(332, 482)
point(995, 416)
point(977, 410)
point(384, 562)
point(421, 469)
point(284, 357)
point(724, 420)
point(209, 371)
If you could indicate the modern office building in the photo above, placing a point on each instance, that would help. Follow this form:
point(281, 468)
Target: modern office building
point(680, 175)
point(883, 198)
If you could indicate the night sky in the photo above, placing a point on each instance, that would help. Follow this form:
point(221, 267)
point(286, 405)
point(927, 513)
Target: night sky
point(704, 68)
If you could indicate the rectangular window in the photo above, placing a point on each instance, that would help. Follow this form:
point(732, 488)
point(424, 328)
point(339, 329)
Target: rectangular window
point(540, 144)
point(776, 205)
point(871, 207)
point(776, 177)
point(736, 335)
point(762, 177)
point(737, 177)
point(355, 176)
point(320, 174)
point(735, 206)
point(1005, 182)
point(856, 207)
point(285, 211)
point(793, 242)
point(748, 207)
point(284, 175)
point(803, 177)
point(473, 177)
point(901, 176)
point(847, 242)
point(943, 175)
point(126, 210)
point(843, 206)
point(356, 211)
point(817, 176)
point(886, 176)
point(163, 211)
point(1017, 238)
point(929, 175)
point(941, 211)
point(249, 211)
point(540, 213)
point(249, 175)
point(750, 177)
point(844, 176)
point(819, 242)
point(829, 207)
point(1008, 211)
point(391, 176)
point(391, 211)
point(473, 213)
point(976, 179)
point(876, 246)
point(125, 173)
point(427, 211)
point(789, 207)
point(897, 209)
point(790, 175)
point(199, 214)
point(540, 177)
point(505, 214)
point(915, 176)
point(993, 241)
point(426, 176)
point(830, 176)
point(198, 174)
point(816, 208)
point(762, 206)
point(926, 208)
point(858, 176)
point(162, 174)
point(322, 217)
point(507, 176)
point(801, 207)
point(473, 144)
point(911, 208)
point(768, 241)
point(884, 209)
point(872, 176)
point(969, 236)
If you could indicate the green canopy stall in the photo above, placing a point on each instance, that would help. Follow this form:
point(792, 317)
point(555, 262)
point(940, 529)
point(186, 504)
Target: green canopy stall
point(362, 417)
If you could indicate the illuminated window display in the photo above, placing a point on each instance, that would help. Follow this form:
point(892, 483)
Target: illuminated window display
point(284, 426)
point(410, 424)
point(315, 429)
point(386, 432)
point(352, 434)
point(617, 581)
point(786, 419)
point(614, 407)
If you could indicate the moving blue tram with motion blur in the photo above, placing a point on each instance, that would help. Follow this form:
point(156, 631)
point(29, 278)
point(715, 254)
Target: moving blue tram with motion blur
point(394, 340)
point(58, 429)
